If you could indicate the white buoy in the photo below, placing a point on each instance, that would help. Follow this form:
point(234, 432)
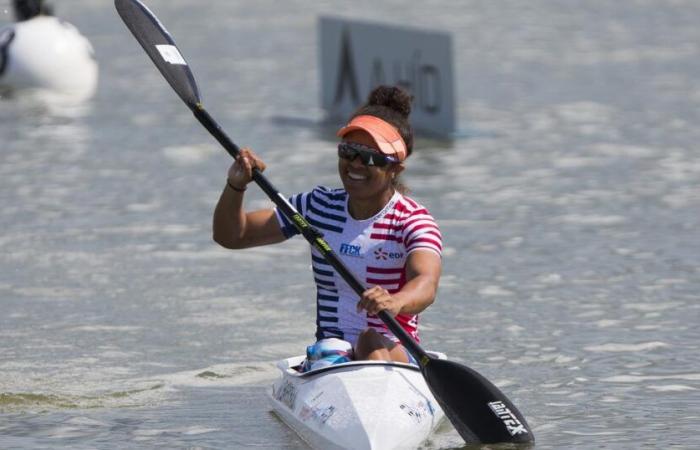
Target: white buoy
point(46, 53)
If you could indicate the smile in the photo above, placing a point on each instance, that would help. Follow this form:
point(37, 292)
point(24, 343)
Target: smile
point(357, 176)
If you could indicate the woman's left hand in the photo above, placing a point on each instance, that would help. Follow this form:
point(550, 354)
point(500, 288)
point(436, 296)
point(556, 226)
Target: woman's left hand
point(377, 299)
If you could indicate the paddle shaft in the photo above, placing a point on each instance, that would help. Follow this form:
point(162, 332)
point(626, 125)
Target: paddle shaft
point(313, 236)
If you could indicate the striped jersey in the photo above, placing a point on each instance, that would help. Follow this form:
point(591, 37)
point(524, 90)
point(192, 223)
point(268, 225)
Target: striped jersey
point(374, 249)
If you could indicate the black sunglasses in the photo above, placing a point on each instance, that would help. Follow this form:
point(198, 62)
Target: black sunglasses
point(368, 155)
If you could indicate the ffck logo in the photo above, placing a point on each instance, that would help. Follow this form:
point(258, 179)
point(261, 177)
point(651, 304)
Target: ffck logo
point(509, 420)
point(350, 250)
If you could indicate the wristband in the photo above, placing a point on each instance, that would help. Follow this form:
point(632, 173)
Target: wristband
point(228, 182)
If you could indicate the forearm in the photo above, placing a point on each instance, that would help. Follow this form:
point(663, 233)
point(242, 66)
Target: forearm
point(417, 294)
point(229, 223)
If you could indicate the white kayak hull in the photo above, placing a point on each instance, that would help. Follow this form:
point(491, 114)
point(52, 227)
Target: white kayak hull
point(356, 405)
point(47, 54)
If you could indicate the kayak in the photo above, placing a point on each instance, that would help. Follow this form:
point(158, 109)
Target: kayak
point(49, 54)
point(357, 404)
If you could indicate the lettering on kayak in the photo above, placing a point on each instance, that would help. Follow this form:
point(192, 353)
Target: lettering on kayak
point(509, 420)
point(287, 394)
point(426, 407)
point(319, 414)
point(418, 411)
point(431, 409)
point(412, 412)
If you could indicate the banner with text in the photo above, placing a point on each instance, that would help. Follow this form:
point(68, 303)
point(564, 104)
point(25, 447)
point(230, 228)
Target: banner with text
point(356, 56)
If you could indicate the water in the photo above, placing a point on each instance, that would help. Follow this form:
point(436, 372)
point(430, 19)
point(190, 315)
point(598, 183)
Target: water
point(570, 215)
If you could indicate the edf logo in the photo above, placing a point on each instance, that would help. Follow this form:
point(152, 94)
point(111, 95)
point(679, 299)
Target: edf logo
point(350, 250)
point(384, 255)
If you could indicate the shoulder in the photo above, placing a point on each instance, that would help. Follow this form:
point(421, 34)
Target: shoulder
point(418, 225)
point(420, 230)
point(408, 209)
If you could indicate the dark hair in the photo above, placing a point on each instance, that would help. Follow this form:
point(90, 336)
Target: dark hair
point(26, 9)
point(393, 105)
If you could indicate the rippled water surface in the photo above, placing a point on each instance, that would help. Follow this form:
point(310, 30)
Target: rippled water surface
point(570, 214)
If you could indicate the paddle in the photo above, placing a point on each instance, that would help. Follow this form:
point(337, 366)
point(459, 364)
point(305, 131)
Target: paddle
point(478, 410)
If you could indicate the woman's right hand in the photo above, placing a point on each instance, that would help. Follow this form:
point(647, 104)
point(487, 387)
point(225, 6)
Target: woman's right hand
point(241, 171)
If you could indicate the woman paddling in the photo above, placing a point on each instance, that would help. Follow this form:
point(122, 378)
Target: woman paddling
point(385, 238)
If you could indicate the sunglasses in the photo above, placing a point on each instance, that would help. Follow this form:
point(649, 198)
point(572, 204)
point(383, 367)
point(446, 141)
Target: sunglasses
point(368, 155)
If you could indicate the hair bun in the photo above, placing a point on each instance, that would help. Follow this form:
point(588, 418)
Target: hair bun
point(392, 97)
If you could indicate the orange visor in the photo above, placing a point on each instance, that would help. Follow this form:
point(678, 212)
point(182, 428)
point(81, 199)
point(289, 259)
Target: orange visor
point(386, 137)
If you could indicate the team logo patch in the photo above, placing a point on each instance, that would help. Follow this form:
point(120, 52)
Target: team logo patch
point(350, 250)
point(383, 255)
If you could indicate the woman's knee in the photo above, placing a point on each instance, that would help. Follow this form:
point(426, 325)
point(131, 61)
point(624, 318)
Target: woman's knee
point(372, 339)
point(373, 345)
point(369, 334)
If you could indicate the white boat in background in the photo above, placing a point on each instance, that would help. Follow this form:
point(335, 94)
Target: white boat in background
point(47, 54)
point(356, 405)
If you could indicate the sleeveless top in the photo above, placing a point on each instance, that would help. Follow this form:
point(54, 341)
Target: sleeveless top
point(374, 249)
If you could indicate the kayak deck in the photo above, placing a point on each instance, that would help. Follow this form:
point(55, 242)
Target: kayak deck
point(358, 404)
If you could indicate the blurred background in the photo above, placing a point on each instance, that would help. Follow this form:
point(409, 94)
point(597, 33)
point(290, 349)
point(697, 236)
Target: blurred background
point(569, 211)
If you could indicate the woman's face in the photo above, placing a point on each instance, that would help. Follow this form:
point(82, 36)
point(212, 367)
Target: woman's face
point(365, 182)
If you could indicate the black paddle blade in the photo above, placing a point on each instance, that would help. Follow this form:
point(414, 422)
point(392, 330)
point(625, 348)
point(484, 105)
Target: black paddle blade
point(478, 410)
point(161, 48)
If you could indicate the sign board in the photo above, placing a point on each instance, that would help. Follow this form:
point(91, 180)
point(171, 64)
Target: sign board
point(355, 57)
